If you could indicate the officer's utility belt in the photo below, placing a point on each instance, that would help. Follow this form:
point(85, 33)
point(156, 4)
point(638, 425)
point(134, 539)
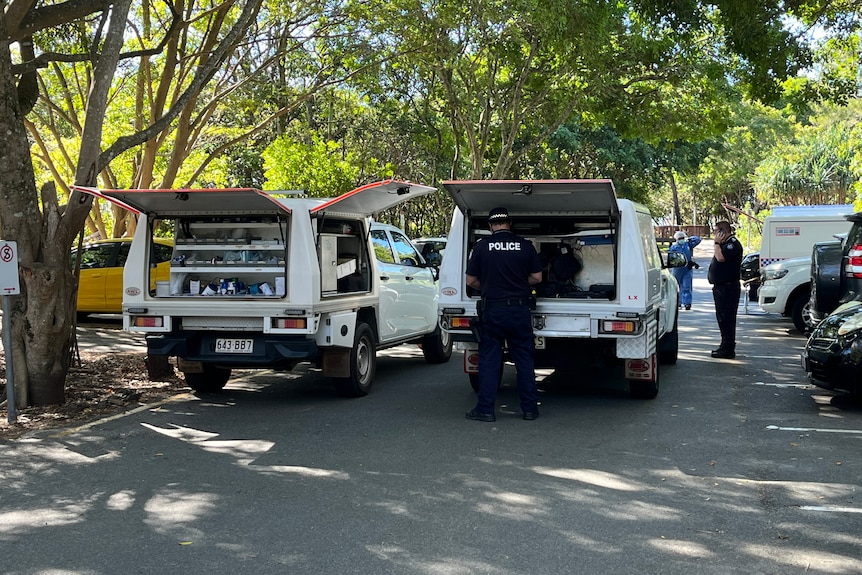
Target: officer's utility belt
point(513, 301)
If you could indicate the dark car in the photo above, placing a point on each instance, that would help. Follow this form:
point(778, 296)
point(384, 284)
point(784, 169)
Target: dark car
point(749, 273)
point(833, 354)
point(836, 270)
point(851, 284)
point(825, 279)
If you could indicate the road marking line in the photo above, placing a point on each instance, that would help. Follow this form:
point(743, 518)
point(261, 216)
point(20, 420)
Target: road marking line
point(777, 428)
point(799, 385)
point(72, 430)
point(831, 509)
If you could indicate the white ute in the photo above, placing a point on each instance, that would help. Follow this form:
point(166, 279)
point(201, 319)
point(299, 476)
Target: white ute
point(269, 280)
point(605, 292)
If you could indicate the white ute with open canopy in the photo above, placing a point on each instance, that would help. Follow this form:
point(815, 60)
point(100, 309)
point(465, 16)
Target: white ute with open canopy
point(605, 294)
point(272, 279)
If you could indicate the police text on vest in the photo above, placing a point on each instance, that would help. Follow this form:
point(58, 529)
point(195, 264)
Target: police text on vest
point(504, 246)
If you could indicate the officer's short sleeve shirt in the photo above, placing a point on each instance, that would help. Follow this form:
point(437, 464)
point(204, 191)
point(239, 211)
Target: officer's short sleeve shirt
point(728, 270)
point(503, 262)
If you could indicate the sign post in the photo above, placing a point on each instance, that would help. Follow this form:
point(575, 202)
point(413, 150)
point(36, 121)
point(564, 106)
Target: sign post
point(9, 286)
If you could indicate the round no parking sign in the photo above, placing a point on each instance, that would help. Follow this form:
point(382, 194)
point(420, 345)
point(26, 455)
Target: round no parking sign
point(9, 284)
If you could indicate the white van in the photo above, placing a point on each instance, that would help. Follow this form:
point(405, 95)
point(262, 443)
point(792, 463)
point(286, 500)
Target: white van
point(789, 235)
point(791, 231)
point(605, 295)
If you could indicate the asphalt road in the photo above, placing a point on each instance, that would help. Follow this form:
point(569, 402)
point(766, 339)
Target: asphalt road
point(737, 467)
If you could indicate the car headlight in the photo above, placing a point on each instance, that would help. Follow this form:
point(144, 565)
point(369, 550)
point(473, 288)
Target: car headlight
point(774, 274)
point(851, 325)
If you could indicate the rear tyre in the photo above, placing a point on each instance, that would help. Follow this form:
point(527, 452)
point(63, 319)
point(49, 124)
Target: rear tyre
point(668, 345)
point(211, 380)
point(437, 346)
point(801, 312)
point(363, 362)
point(640, 389)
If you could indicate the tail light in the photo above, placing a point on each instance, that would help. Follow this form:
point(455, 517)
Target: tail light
point(148, 321)
point(619, 326)
point(459, 322)
point(854, 262)
point(289, 323)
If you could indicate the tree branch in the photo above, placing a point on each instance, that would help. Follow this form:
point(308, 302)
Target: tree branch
point(203, 75)
point(29, 20)
point(43, 59)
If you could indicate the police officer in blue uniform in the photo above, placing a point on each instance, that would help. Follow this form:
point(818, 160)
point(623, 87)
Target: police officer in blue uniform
point(503, 267)
point(724, 276)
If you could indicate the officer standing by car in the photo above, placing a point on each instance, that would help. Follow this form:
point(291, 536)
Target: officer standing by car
point(503, 267)
point(724, 276)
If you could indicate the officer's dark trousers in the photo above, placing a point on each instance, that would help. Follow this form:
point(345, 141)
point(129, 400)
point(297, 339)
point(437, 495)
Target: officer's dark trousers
point(513, 324)
point(726, 297)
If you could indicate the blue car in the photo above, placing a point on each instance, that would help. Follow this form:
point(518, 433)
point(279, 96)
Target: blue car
point(833, 354)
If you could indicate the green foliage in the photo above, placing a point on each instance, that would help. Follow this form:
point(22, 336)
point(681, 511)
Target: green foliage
point(725, 174)
point(321, 169)
point(816, 167)
point(748, 229)
point(577, 152)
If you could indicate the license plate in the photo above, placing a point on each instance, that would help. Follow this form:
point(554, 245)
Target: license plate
point(232, 345)
point(539, 341)
point(568, 323)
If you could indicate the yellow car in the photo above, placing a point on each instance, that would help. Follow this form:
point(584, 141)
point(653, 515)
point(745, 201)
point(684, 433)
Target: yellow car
point(100, 287)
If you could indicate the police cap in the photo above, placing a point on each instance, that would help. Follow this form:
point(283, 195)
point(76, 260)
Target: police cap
point(498, 215)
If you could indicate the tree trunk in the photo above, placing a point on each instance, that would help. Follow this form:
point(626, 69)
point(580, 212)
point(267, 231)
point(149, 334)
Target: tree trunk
point(676, 211)
point(40, 318)
point(42, 324)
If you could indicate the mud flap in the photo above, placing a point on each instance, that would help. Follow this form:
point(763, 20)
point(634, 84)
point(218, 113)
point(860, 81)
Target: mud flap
point(187, 366)
point(336, 362)
point(641, 369)
point(471, 361)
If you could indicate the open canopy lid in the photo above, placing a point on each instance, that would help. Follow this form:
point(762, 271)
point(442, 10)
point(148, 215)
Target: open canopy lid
point(531, 197)
point(193, 202)
point(363, 201)
point(373, 198)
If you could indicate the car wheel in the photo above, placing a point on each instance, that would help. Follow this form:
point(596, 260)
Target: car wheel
point(363, 361)
point(437, 346)
point(668, 345)
point(801, 313)
point(211, 380)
